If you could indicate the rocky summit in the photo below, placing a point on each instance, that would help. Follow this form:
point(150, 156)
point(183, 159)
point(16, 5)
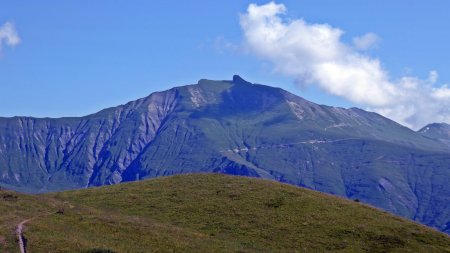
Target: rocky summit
point(437, 131)
point(234, 127)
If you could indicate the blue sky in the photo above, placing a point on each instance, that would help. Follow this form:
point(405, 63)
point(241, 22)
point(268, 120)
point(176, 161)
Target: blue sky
point(74, 59)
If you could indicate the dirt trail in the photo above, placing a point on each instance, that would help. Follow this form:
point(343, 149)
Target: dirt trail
point(20, 237)
point(285, 145)
point(22, 241)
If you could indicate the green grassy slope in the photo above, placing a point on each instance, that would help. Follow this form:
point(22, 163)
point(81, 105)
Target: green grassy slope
point(207, 213)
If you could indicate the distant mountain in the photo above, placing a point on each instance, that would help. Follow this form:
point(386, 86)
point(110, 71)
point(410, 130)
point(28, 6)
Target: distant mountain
point(437, 131)
point(206, 213)
point(234, 127)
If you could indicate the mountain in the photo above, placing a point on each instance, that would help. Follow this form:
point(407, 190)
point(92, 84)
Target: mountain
point(234, 127)
point(206, 213)
point(437, 131)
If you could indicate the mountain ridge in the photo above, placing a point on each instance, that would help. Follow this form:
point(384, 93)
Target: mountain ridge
point(234, 127)
point(437, 131)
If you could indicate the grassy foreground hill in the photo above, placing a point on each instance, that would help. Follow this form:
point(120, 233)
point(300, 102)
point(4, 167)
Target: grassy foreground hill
point(206, 213)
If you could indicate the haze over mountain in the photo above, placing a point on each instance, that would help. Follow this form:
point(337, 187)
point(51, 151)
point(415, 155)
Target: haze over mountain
point(234, 127)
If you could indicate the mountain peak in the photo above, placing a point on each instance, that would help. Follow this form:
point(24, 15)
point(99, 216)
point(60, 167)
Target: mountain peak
point(437, 131)
point(239, 80)
point(434, 126)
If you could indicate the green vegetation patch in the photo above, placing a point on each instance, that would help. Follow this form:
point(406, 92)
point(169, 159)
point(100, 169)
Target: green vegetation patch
point(212, 213)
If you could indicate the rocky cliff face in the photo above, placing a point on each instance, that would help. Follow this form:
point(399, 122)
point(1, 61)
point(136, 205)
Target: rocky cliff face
point(239, 128)
point(52, 154)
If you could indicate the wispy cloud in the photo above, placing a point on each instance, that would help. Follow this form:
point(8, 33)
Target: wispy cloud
point(366, 41)
point(222, 45)
point(315, 54)
point(8, 35)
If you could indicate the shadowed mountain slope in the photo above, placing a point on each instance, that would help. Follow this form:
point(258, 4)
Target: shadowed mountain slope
point(234, 127)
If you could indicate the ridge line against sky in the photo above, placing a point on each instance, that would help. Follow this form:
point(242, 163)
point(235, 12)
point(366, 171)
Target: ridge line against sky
point(110, 54)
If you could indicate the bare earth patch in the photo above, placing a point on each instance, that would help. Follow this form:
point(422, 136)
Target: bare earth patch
point(3, 241)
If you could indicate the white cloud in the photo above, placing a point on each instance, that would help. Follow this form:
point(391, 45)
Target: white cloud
point(8, 35)
point(441, 93)
point(314, 54)
point(366, 41)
